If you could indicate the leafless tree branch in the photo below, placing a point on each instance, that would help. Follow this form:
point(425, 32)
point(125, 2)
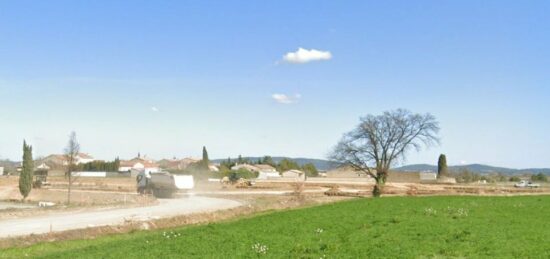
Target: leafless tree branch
point(380, 141)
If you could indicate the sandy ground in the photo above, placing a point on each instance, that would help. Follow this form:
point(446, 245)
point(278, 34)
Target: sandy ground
point(10, 205)
point(75, 220)
point(258, 192)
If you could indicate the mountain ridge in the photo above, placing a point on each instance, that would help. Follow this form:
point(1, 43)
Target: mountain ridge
point(476, 168)
point(326, 165)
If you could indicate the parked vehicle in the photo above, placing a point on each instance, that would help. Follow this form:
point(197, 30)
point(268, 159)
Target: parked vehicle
point(526, 184)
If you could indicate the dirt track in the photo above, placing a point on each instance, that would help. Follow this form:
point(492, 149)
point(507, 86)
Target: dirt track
point(77, 220)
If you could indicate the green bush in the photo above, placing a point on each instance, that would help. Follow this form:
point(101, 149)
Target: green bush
point(515, 179)
point(99, 166)
point(540, 177)
point(466, 176)
point(235, 175)
point(310, 170)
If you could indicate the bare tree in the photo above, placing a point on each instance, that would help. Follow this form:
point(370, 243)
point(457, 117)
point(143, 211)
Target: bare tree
point(378, 142)
point(71, 153)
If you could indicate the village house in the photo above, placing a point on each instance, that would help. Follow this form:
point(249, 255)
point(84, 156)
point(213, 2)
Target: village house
point(139, 164)
point(83, 158)
point(178, 164)
point(58, 160)
point(43, 166)
point(294, 174)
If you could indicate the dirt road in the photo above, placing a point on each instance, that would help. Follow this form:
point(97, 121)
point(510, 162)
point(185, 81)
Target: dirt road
point(259, 192)
point(77, 220)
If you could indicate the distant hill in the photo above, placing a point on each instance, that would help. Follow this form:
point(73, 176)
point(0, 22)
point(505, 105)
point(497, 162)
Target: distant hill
point(417, 168)
point(321, 164)
point(326, 165)
point(8, 165)
point(476, 168)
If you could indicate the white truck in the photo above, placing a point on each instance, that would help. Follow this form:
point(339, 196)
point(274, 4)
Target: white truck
point(163, 184)
point(526, 184)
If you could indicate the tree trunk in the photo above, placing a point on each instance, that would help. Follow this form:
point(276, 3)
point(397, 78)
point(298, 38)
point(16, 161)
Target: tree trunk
point(69, 190)
point(379, 185)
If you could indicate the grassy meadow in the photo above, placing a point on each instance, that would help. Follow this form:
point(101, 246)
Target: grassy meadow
point(390, 227)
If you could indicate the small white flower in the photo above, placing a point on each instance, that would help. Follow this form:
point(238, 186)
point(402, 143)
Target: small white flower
point(259, 248)
point(430, 211)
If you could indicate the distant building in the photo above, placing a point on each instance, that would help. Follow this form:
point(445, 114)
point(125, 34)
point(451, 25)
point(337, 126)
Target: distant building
point(294, 174)
point(255, 168)
point(59, 160)
point(89, 174)
point(268, 175)
point(54, 161)
point(345, 172)
point(83, 158)
point(139, 164)
point(428, 176)
point(1, 170)
point(177, 164)
point(43, 166)
point(266, 168)
point(251, 168)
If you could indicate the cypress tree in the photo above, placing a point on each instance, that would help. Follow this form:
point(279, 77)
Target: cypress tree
point(205, 160)
point(116, 164)
point(442, 169)
point(25, 178)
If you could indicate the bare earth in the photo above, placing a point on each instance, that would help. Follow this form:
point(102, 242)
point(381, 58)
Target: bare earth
point(75, 220)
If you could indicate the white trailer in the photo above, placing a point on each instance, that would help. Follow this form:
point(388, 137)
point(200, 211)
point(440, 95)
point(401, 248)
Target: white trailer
point(165, 185)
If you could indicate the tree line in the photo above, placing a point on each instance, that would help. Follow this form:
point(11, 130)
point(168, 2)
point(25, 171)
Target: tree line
point(99, 166)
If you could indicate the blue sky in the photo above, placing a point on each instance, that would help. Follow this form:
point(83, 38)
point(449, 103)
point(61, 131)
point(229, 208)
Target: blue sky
point(166, 77)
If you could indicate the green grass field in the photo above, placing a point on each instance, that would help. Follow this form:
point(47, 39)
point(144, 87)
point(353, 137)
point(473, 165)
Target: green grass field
point(403, 227)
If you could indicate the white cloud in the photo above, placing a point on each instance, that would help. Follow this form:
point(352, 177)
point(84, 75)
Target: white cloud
point(286, 99)
point(304, 56)
point(154, 109)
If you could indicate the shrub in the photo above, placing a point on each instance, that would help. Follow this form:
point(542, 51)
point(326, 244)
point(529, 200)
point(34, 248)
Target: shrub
point(310, 170)
point(235, 175)
point(466, 176)
point(514, 179)
point(298, 191)
point(540, 177)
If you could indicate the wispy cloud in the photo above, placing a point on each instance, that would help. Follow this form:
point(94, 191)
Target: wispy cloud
point(154, 109)
point(286, 99)
point(302, 56)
